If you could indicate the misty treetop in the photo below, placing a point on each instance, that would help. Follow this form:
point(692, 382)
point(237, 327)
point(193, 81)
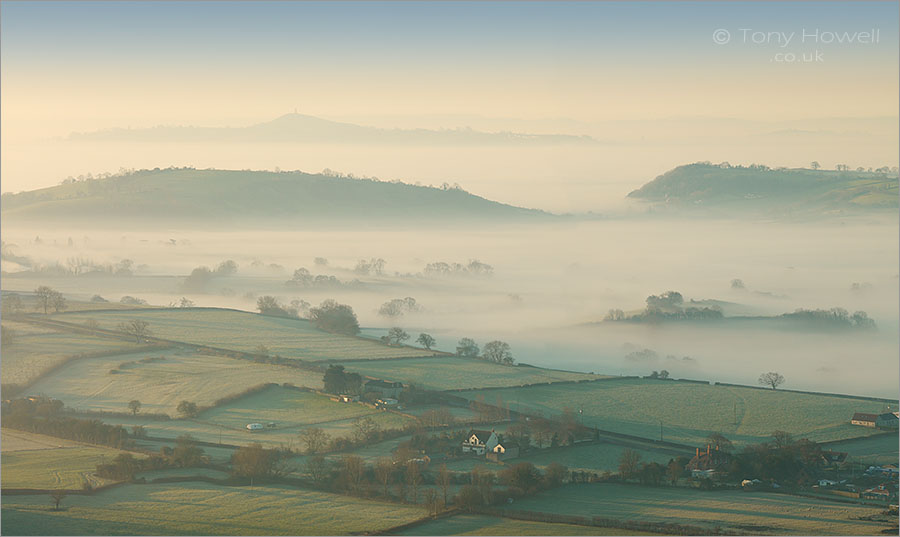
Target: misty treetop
point(334, 317)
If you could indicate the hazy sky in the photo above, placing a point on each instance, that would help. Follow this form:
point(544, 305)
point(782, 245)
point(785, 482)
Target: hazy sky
point(80, 66)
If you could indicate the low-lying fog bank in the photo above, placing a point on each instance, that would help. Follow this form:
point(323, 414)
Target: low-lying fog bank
point(548, 288)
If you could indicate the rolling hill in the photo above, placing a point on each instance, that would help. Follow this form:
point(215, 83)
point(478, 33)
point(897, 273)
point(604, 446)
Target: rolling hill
point(225, 197)
point(305, 129)
point(704, 186)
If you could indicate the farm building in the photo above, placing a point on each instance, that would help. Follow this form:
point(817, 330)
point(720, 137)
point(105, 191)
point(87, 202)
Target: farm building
point(386, 389)
point(706, 464)
point(881, 492)
point(387, 402)
point(480, 442)
point(503, 450)
point(888, 420)
point(254, 426)
point(833, 458)
point(348, 398)
point(864, 419)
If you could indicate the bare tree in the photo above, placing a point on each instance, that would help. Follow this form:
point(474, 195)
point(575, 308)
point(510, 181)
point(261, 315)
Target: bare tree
point(138, 328)
point(396, 336)
point(414, 479)
point(772, 379)
point(315, 440)
point(135, 406)
point(57, 496)
point(443, 481)
point(384, 473)
point(318, 468)
point(425, 340)
point(498, 352)
point(628, 463)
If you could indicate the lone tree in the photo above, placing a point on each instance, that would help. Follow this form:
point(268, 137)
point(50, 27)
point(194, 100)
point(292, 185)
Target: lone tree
point(425, 340)
point(135, 406)
point(49, 298)
point(138, 328)
point(315, 440)
point(57, 496)
point(498, 352)
point(396, 336)
point(772, 379)
point(188, 409)
point(333, 317)
point(467, 348)
point(628, 463)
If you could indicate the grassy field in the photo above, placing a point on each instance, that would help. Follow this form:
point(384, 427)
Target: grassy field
point(589, 458)
point(160, 385)
point(36, 349)
point(880, 449)
point(291, 410)
point(201, 509)
point(489, 525)
point(43, 462)
point(689, 412)
point(747, 512)
point(290, 338)
point(14, 440)
point(446, 373)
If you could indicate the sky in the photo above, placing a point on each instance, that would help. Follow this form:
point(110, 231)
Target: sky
point(81, 66)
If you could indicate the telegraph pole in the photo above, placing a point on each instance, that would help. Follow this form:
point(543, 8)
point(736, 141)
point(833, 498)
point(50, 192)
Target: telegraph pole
point(660, 431)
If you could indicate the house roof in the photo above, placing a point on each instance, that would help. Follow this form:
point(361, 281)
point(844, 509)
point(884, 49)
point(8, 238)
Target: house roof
point(711, 461)
point(481, 434)
point(508, 445)
point(887, 416)
point(383, 384)
point(864, 416)
point(834, 456)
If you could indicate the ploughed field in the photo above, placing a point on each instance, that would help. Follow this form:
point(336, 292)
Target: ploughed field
point(738, 511)
point(160, 380)
point(688, 411)
point(243, 331)
point(196, 508)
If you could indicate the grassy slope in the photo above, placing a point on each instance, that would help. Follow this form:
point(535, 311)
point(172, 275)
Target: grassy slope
point(35, 350)
point(766, 512)
point(45, 462)
point(292, 338)
point(202, 509)
point(87, 384)
point(446, 373)
point(689, 411)
point(880, 449)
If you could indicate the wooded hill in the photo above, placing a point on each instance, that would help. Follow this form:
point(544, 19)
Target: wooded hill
point(222, 197)
point(708, 186)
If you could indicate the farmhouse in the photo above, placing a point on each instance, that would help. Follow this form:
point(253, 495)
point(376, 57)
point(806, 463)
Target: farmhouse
point(480, 442)
point(386, 389)
point(387, 402)
point(888, 420)
point(503, 450)
point(833, 458)
point(864, 419)
point(706, 464)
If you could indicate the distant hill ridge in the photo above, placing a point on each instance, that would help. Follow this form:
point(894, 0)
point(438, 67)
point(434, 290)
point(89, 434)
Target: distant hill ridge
point(301, 128)
point(222, 196)
point(703, 184)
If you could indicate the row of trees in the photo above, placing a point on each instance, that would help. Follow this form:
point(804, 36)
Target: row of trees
point(45, 415)
point(495, 351)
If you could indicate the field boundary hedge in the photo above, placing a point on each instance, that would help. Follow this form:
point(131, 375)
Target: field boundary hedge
point(418, 522)
point(840, 395)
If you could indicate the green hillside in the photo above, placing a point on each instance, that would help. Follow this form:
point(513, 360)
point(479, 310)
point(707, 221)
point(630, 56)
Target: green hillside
point(704, 185)
point(231, 196)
